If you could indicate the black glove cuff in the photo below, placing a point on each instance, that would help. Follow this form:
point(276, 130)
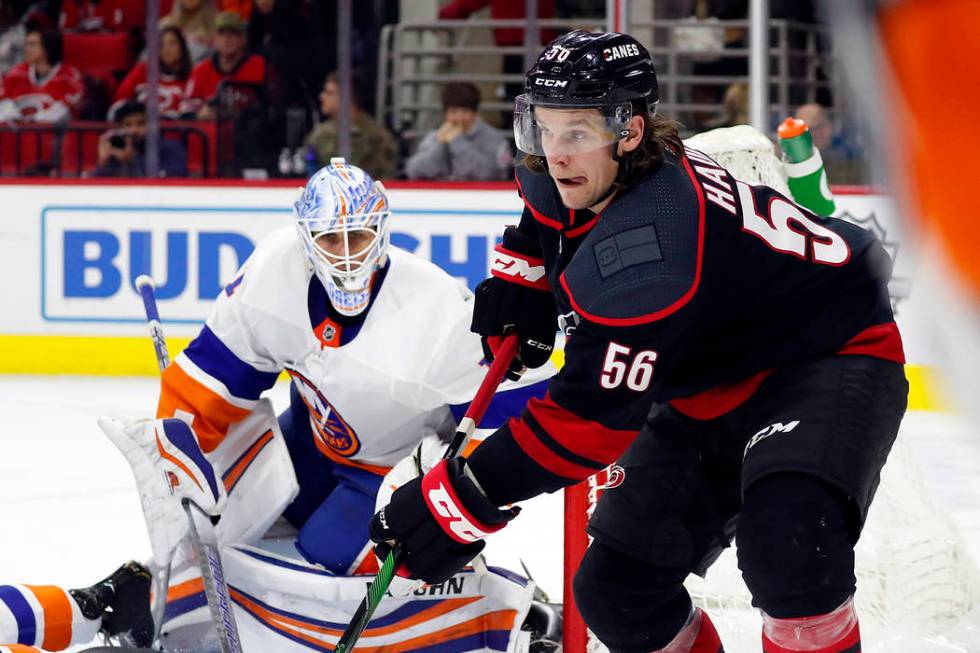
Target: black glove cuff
point(474, 499)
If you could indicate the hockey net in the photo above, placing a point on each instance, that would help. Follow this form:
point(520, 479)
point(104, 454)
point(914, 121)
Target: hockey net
point(916, 580)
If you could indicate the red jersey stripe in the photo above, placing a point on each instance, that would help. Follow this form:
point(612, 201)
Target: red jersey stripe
point(543, 456)
point(582, 437)
point(880, 341)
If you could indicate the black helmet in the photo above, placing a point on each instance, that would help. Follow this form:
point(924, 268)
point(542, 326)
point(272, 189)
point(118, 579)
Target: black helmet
point(592, 69)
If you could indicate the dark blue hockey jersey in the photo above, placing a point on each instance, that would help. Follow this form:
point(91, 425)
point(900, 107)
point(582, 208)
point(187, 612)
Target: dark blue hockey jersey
point(689, 288)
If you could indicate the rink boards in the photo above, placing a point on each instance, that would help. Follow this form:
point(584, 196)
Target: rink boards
point(70, 251)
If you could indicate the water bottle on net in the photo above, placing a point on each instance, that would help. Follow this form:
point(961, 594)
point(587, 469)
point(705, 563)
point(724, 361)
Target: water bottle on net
point(807, 177)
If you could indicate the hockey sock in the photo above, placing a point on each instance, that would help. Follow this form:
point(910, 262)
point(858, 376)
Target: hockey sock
point(697, 636)
point(43, 615)
point(834, 632)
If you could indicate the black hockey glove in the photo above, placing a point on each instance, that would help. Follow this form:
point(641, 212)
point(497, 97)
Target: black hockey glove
point(440, 519)
point(517, 297)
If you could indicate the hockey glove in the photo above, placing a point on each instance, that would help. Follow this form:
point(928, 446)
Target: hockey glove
point(517, 297)
point(440, 519)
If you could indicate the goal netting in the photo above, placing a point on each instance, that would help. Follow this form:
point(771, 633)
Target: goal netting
point(917, 584)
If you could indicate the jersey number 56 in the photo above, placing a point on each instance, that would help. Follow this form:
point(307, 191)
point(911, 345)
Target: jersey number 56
point(618, 366)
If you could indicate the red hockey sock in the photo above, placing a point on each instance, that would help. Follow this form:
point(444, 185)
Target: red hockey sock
point(707, 640)
point(834, 632)
point(697, 636)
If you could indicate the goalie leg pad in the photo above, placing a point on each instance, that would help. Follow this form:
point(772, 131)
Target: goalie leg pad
point(795, 545)
point(632, 606)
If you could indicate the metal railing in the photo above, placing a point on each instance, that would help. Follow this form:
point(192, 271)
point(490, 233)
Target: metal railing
point(71, 150)
point(417, 58)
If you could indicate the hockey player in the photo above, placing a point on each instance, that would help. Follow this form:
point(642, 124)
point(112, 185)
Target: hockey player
point(733, 353)
point(351, 320)
point(53, 619)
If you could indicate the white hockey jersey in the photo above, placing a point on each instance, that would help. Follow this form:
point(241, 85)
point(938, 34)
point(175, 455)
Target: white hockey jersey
point(372, 390)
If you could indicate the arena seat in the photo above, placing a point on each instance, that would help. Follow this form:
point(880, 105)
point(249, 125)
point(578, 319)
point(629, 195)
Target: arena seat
point(26, 150)
point(97, 53)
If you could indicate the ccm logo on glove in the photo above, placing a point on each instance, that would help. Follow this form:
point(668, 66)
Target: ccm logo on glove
point(518, 268)
point(448, 510)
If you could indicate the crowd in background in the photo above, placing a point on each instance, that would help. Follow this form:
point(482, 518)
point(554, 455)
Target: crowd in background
point(267, 68)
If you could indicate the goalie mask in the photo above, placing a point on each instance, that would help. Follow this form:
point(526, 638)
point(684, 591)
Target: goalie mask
point(343, 217)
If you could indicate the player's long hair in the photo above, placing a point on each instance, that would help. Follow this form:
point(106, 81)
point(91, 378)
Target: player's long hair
point(659, 135)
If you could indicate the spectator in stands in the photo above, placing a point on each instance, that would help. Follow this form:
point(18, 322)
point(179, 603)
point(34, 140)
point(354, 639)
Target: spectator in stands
point(463, 147)
point(231, 80)
point(373, 148)
point(41, 88)
point(734, 108)
point(196, 19)
point(175, 70)
point(280, 30)
point(122, 150)
point(841, 159)
point(513, 64)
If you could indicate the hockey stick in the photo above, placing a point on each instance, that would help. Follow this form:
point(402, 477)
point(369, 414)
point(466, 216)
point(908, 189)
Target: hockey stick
point(376, 590)
point(201, 531)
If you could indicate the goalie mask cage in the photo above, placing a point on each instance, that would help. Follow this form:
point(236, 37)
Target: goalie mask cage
point(916, 580)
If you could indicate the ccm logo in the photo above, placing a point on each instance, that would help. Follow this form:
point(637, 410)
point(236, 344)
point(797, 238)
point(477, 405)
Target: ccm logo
point(557, 83)
point(445, 507)
point(512, 266)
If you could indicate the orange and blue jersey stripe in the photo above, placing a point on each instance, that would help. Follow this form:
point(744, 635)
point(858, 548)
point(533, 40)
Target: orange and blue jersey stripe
point(36, 615)
point(208, 381)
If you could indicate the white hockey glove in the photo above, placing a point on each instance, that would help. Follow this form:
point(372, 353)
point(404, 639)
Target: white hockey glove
point(426, 454)
point(168, 465)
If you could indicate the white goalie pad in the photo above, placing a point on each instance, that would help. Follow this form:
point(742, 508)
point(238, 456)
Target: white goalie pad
point(258, 475)
point(252, 463)
point(286, 605)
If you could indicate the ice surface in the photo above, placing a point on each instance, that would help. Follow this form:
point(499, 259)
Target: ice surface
point(71, 514)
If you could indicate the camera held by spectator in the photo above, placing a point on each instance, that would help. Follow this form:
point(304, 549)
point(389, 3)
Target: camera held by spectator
point(122, 150)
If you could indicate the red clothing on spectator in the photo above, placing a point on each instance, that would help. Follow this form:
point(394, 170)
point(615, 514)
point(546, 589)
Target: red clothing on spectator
point(170, 91)
point(207, 82)
point(88, 15)
point(501, 9)
point(50, 98)
point(241, 7)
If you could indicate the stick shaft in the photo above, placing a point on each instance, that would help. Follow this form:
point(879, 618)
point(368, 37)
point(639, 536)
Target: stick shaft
point(378, 587)
point(147, 292)
point(201, 531)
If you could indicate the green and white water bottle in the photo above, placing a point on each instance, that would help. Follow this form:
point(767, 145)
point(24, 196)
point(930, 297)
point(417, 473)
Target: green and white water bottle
point(804, 168)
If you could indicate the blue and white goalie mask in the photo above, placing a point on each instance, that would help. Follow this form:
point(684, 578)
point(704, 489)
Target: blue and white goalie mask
point(343, 218)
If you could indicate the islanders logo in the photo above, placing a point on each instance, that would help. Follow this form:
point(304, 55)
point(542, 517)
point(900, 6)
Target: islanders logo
point(332, 433)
